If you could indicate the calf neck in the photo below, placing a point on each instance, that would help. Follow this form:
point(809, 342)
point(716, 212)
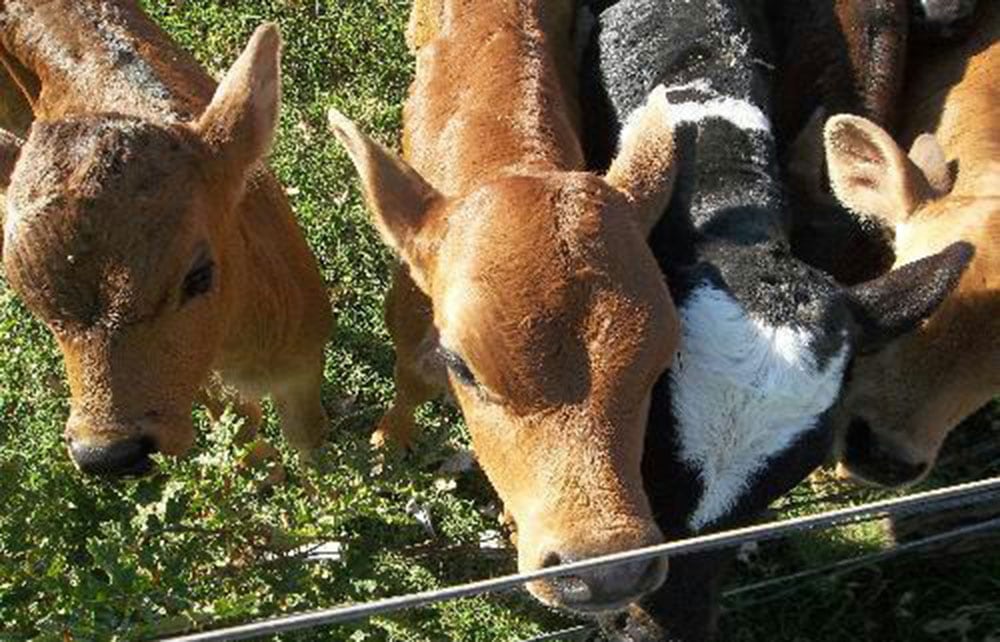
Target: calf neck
point(143, 229)
point(743, 414)
point(904, 399)
point(525, 283)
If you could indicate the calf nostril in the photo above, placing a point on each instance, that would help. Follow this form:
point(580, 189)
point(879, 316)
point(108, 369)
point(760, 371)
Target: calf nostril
point(859, 440)
point(551, 559)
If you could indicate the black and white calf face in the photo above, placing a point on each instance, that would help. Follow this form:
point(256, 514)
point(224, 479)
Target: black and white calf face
point(765, 344)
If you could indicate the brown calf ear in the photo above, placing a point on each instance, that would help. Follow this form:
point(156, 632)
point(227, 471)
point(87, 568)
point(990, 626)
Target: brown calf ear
point(399, 199)
point(895, 303)
point(240, 122)
point(646, 167)
point(927, 155)
point(869, 173)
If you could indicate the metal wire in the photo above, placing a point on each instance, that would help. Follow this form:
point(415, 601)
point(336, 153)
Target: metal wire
point(830, 570)
point(958, 495)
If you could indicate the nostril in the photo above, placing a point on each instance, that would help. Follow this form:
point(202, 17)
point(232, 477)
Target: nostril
point(859, 440)
point(127, 457)
point(573, 589)
point(551, 559)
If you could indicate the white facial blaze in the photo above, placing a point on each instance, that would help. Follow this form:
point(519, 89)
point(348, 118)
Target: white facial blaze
point(743, 392)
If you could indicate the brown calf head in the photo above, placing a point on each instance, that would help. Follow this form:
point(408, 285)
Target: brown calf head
point(119, 237)
point(554, 322)
point(903, 399)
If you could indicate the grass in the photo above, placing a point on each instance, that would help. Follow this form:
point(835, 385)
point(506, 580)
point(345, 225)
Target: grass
point(199, 543)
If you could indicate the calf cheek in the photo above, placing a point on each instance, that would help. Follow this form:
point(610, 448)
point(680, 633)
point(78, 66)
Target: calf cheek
point(519, 465)
point(565, 487)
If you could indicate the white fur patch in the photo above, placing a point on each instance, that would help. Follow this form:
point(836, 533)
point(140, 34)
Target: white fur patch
point(741, 113)
point(743, 391)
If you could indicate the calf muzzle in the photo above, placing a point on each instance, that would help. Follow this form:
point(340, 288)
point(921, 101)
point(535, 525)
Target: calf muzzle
point(607, 588)
point(123, 458)
point(868, 459)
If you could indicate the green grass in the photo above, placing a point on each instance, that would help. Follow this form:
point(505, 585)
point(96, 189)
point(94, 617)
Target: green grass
point(199, 543)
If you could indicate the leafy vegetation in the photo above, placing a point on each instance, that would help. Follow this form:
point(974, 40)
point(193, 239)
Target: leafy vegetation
point(201, 543)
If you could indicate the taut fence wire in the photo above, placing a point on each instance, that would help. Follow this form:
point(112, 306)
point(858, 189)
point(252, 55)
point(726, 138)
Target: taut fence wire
point(581, 632)
point(940, 499)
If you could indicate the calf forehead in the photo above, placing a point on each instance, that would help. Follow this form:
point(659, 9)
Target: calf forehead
point(101, 158)
point(95, 206)
point(540, 295)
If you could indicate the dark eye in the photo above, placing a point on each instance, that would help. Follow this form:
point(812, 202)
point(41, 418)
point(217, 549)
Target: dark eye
point(458, 367)
point(199, 280)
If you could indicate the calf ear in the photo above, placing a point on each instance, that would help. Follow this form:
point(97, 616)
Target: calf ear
point(895, 303)
point(239, 124)
point(926, 154)
point(400, 200)
point(869, 173)
point(646, 168)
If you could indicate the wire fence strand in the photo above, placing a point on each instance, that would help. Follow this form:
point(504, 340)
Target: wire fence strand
point(940, 499)
point(834, 569)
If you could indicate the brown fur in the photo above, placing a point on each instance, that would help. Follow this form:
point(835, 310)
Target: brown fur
point(839, 56)
point(918, 388)
point(533, 272)
point(847, 56)
point(136, 169)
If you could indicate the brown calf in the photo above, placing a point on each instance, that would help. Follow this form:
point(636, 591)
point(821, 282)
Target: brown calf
point(144, 230)
point(526, 283)
point(903, 400)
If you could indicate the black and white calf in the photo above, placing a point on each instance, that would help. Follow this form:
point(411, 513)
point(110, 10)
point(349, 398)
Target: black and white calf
point(742, 416)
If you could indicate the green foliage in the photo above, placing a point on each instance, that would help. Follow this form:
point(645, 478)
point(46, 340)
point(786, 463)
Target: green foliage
point(200, 542)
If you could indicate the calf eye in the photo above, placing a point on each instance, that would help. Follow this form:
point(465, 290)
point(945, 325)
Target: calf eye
point(199, 280)
point(458, 367)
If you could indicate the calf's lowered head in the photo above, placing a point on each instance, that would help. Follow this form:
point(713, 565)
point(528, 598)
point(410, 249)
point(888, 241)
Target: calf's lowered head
point(903, 400)
point(528, 288)
point(136, 239)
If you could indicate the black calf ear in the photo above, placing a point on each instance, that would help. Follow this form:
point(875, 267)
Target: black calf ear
point(895, 303)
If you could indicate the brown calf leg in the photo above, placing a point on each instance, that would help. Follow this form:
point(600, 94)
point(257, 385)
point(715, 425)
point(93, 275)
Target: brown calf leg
point(304, 422)
point(418, 378)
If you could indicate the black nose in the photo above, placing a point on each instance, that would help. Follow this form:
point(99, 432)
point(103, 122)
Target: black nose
point(125, 458)
point(866, 457)
point(607, 588)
